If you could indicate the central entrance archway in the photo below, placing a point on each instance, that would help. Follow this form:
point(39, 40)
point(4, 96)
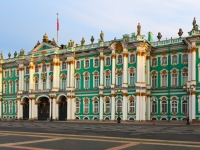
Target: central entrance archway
point(43, 108)
point(25, 103)
point(62, 107)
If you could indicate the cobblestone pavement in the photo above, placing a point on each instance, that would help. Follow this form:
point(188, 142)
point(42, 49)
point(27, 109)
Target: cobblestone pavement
point(162, 132)
point(9, 141)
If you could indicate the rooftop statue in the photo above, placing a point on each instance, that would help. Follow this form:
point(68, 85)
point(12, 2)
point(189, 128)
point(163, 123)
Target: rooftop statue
point(92, 39)
point(71, 43)
point(194, 23)
point(15, 54)
point(1, 55)
point(180, 33)
point(53, 42)
point(159, 36)
point(102, 36)
point(22, 52)
point(138, 29)
point(82, 41)
point(9, 55)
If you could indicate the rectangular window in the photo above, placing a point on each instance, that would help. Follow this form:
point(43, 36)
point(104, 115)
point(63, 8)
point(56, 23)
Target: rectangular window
point(17, 72)
point(154, 81)
point(119, 80)
point(174, 80)
point(5, 89)
point(96, 62)
point(77, 107)
point(185, 78)
point(164, 80)
point(5, 73)
point(36, 85)
point(96, 81)
point(96, 107)
point(11, 73)
point(11, 88)
point(132, 78)
point(51, 84)
point(108, 80)
point(17, 87)
point(86, 82)
point(86, 107)
point(77, 83)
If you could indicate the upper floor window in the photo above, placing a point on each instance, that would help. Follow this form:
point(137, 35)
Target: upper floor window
point(36, 68)
point(96, 62)
point(154, 81)
point(131, 106)
point(164, 60)
point(36, 84)
point(185, 58)
point(96, 81)
point(164, 80)
point(63, 83)
point(78, 65)
point(64, 65)
point(78, 82)
point(11, 87)
point(17, 86)
point(11, 73)
point(86, 107)
point(107, 61)
point(185, 77)
point(26, 84)
point(51, 66)
point(44, 68)
point(107, 80)
point(119, 59)
point(17, 73)
point(174, 59)
point(51, 83)
point(119, 79)
point(174, 79)
point(77, 107)
point(27, 70)
point(87, 64)
point(44, 84)
point(154, 62)
point(5, 73)
point(5, 88)
point(86, 82)
point(132, 58)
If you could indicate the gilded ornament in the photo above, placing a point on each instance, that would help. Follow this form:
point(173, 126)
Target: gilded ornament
point(148, 57)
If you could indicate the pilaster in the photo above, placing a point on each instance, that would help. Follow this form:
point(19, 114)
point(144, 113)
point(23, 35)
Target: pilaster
point(113, 105)
point(101, 86)
point(101, 106)
point(124, 110)
point(1, 80)
point(31, 72)
point(125, 65)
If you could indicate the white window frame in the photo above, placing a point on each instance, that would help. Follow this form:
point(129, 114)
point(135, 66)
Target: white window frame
point(5, 88)
point(17, 71)
point(51, 67)
point(109, 80)
point(64, 65)
point(11, 88)
point(166, 60)
point(119, 55)
point(94, 81)
point(79, 64)
point(11, 72)
point(88, 63)
point(133, 59)
point(44, 68)
point(36, 69)
point(182, 78)
point(172, 59)
point(27, 70)
point(184, 58)
point(5, 73)
point(156, 107)
point(173, 77)
point(162, 106)
point(154, 80)
point(77, 83)
point(4, 107)
point(17, 87)
point(108, 61)
point(96, 107)
point(36, 84)
point(155, 61)
point(44, 83)
point(161, 77)
point(186, 106)
point(94, 62)
point(174, 107)
point(10, 107)
point(129, 106)
point(88, 107)
point(117, 106)
point(87, 81)
point(77, 106)
point(105, 106)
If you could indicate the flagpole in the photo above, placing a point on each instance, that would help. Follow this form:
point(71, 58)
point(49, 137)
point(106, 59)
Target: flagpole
point(57, 28)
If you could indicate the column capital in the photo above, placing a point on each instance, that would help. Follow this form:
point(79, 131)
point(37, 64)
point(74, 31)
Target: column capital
point(101, 57)
point(112, 95)
point(113, 56)
point(193, 49)
point(148, 57)
point(125, 54)
point(101, 95)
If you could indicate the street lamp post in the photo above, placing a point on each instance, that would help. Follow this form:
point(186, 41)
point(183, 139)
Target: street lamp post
point(188, 89)
point(51, 98)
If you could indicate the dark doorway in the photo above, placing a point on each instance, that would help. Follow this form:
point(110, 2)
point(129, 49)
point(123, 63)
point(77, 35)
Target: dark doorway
point(43, 108)
point(62, 108)
point(25, 103)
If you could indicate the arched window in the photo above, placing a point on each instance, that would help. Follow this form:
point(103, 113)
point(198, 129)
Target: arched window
point(107, 107)
point(96, 62)
point(86, 107)
point(174, 107)
point(27, 84)
point(154, 62)
point(96, 81)
point(96, 107)
point(154, 107)
point(77, 107)
point(78, 65)
point(44, 84)
point(44, 68)
point(51, 66)
point(184, 106)
point(119, 59)
point(131, 106)
point(11, 87)
point(174, 59)
point(36, 68)
point(27, 70)
point(10, 107)
point(164, 107)
point(185, 58)
point(119, 78)
point(86, 63)
point(185, 77)
point(132, 78)
point(132, 58)
point(63, 83)
point(77, 82)
point(119, 106)
point(164, 60)
point(4, 107)
point(36, 84)
point(64, 65)
point(86, 82)
point(107, 61)
point(174, 79)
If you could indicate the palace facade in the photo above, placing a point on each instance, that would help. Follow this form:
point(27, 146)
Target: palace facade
point(133, 77)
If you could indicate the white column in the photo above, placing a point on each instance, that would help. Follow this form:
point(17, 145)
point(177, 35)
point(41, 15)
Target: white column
point(73, 107)
point(125, 69)
point(33, 108)
point(137, 107)
point(48, 69)
point(193, 110)
point(124, 110)
point(143, 107)
point(68, 74)
point(36, 111)
point(69, 108)
point(148, 70)
point(101, 108)
point(20, 110)
point(113, 69)
point(57, 110)
point(50, 108)
point(1, 91)
point(22, 76)
point(138, 67)
point(113, 107)
point(72, 74)
point(56, 72)
point(30, 106)
point(54, 109)
point(193, 54)
point(148, 107)
point(39, 78)
point(190, 106)
point(143, 67)
point(101, 69)
point(31, 72)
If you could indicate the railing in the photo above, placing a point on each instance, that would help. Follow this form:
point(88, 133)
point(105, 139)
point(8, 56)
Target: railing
point(169, 41)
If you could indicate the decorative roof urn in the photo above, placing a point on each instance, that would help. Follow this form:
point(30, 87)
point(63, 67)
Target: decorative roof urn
point(9, 55)
point(92, 39)
point(159, 36)
point(180, 33)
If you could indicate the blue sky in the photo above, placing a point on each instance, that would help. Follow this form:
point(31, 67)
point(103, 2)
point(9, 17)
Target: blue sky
point(24, 22)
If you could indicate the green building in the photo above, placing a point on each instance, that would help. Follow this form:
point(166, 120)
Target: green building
point(133, 77)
